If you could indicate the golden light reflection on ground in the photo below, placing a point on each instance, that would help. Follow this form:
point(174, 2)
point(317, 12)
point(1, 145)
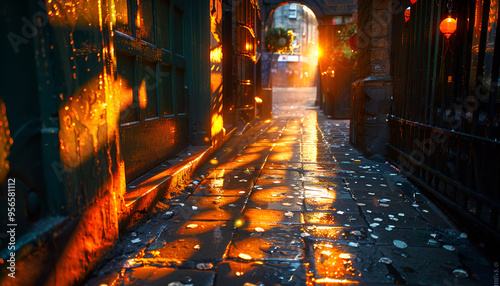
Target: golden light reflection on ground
point(269, 195)
point(249, 246)
point(257, 150)
point(215, 202)
point(325, 231)
point(254, 157)
point(333, 265)
point(266, 216)
point(282, 156)
point(282, 148)
point(197, 227)
point(290, 138)
point(319, 218)
point(208, 215)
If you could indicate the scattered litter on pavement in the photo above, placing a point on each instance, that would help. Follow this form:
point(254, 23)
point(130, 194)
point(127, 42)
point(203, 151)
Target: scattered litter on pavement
point(177, 283)
point(400, 244)
point(347, 256)
point(137, 240)
point(353, 244)
point(204, 266)
point(186, 279)
point(449, 247)
point(289, 214)
point(460, 273)
point(356, 232)
point(433, 242)
point(268, 248)
point(385, 260)
point(245, 256)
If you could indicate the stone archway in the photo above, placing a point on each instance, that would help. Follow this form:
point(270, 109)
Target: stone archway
point(323, 9)
point(327, 12)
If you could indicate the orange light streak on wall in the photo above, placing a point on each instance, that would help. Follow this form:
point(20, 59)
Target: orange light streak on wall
point(217, 125)
point(216, 55)
point(143, 96)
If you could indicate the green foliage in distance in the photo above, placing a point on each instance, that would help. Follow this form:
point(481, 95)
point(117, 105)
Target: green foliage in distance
point(278, 40)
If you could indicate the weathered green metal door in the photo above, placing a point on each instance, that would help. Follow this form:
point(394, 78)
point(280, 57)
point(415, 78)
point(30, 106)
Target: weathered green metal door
point(150, 55)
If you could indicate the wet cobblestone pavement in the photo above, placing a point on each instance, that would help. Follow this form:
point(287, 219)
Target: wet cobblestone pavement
point(296, 205)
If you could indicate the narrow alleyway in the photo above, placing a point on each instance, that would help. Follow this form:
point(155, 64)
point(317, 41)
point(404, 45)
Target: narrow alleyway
point(295, 205)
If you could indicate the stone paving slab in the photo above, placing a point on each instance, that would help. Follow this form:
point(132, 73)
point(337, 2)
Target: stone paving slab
point(261, 273)
point(334, 219)
point(270, 174)
point(160, 276)
point(280, 242)
point(435, 271)
point(192, 241)
point(283, 165)
point(346, 264)
point(313, 166)
point(212, 208)
point(256, 215)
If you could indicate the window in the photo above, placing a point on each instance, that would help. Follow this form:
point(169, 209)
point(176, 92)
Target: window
point(126, 80)
point(148, 90)
point(293, 11)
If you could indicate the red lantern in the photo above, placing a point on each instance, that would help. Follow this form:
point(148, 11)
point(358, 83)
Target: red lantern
point(407, 14)
point(448, 26)
point(413, 1)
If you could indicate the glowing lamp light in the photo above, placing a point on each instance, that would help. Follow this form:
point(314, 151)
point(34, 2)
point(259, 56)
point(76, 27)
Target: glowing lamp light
point(316, 53)
point(258, 99)
point(407, 14)
point(448, 26)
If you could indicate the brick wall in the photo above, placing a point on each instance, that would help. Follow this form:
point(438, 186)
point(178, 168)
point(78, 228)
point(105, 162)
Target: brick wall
point(372, 91)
